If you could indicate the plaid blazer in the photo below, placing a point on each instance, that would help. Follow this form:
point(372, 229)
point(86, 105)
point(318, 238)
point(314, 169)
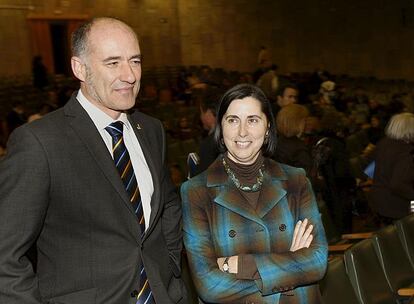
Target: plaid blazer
point(219, 222)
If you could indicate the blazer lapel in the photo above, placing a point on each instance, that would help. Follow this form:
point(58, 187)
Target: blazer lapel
point(272, 192)
point(229, 196)
point(225, 192)
point(84, 127)
point(272, 189)
point(155, 199)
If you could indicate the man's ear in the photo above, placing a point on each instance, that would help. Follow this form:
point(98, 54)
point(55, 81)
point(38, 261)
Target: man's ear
point(78, 68)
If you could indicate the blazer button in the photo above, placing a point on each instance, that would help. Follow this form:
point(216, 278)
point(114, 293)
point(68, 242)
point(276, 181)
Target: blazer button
point(134, 293)
point(282, 227)
point(232, 233)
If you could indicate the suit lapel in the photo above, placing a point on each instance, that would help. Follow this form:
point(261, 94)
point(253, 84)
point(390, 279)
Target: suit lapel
point(84, 127)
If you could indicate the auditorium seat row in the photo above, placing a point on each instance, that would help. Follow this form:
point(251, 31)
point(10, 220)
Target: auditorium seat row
point(376, 270)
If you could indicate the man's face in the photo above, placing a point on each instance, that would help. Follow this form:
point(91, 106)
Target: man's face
point(290, 96)
point(111, 70)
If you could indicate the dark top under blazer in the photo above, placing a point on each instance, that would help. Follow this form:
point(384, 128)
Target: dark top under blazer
point(59, 185)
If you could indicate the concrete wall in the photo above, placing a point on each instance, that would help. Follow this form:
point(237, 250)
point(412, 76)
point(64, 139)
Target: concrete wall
point(360, 38)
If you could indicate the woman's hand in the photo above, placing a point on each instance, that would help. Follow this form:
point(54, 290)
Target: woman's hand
point(232, 262)
point(302, 237)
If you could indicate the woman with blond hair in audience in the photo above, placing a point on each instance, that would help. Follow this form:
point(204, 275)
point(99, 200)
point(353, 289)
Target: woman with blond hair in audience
point(290, 149)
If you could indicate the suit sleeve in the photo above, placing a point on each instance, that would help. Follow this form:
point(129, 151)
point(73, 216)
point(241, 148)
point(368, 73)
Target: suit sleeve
point(171, 216)
point(213, 285)
point(285, 271)
point(24, 186)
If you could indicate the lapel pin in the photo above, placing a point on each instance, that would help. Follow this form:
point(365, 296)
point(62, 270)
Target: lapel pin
point(138, 126)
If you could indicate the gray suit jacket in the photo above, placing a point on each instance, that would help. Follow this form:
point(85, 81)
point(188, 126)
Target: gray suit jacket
point(59, 188)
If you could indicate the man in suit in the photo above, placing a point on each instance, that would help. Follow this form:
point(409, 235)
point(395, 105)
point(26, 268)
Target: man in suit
point(61, 188)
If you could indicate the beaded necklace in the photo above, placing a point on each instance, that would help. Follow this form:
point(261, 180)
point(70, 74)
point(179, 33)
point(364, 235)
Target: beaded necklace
point(237, 183)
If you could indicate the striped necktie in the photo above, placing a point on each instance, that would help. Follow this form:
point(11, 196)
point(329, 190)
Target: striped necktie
point(126, 171)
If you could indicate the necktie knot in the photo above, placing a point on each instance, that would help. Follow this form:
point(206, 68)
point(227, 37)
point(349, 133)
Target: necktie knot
point(115, 129)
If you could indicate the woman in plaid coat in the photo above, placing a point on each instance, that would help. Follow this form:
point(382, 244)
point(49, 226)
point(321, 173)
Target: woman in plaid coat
point(252, 229)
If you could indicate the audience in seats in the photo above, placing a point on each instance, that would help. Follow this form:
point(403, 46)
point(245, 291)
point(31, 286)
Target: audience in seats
point(175, 96)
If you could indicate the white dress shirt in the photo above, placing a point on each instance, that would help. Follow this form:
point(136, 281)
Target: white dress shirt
point(142, 172)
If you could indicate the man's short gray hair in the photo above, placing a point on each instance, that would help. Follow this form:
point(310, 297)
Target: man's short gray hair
point(80, 36)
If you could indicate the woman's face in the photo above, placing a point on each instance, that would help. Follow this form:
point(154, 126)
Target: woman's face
point(244, 128)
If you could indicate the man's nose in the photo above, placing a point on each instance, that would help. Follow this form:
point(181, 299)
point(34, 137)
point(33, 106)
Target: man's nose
point(127, 74)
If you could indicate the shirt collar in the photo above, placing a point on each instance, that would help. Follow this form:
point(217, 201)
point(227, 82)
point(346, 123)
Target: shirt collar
point(99, 118)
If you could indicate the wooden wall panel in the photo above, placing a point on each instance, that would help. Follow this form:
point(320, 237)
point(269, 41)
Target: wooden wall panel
point(367, 38)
